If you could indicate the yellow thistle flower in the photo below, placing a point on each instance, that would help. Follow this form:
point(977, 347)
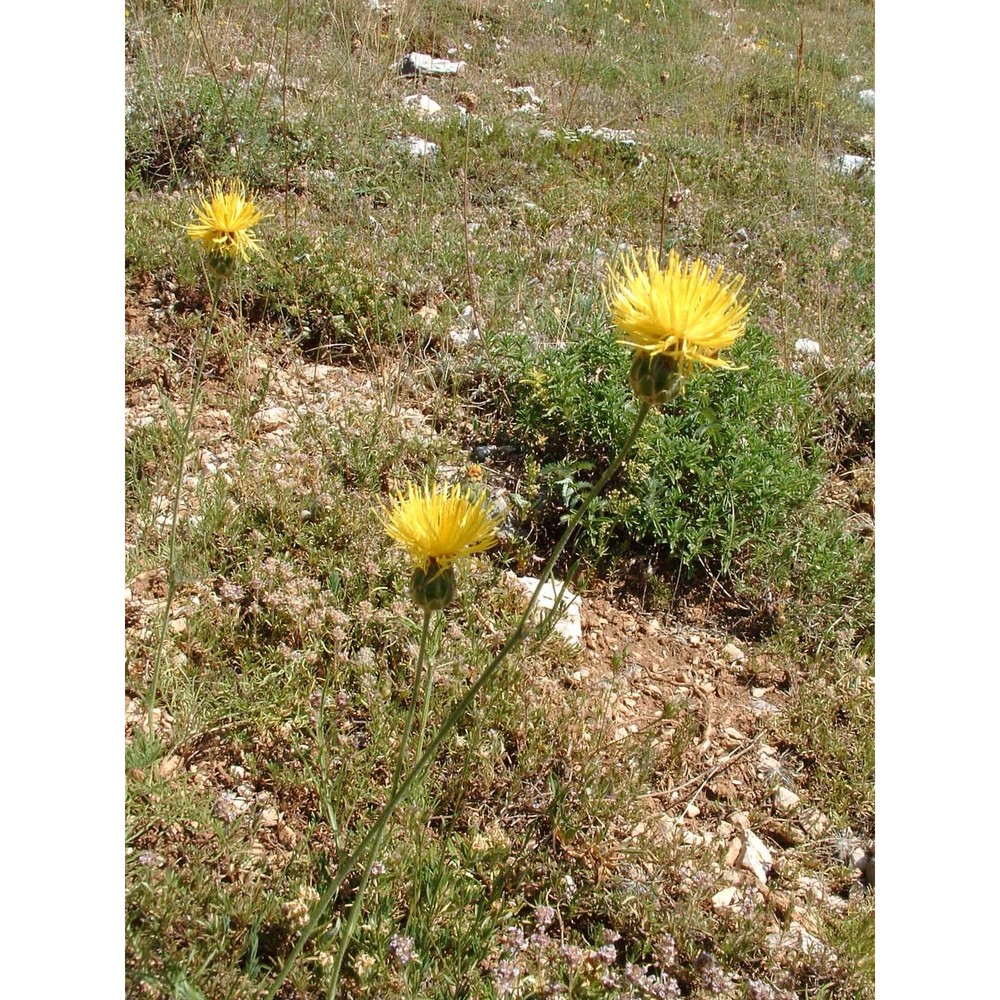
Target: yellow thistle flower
point(439, 525)
point(225, 224)
point(680, 311)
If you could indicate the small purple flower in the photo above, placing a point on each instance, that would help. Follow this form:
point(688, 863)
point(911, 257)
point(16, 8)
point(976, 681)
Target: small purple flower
point(663, 987)
point(759, 990)
point(666, 950)
point(401, 948)
point(544, 915)
point(712, 976)
point(747, 905)
point(505, 976)
point(513, 940)
point(607, 954)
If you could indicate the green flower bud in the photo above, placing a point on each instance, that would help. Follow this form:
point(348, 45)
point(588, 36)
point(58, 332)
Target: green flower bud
point(433, 588)
point(221, 265)
point(655, 378)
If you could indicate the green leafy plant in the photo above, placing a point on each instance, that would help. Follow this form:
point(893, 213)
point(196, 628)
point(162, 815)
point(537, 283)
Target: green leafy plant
point(729, 462)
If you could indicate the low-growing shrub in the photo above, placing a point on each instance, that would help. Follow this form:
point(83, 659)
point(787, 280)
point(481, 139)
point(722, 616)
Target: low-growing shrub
point(728, 462)
point(722, 484)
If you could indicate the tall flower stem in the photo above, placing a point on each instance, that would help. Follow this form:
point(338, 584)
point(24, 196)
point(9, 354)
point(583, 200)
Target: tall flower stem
point(417, 677)
point(454, 716)
point(214, 288)
point(428, 689)
point(355, 912)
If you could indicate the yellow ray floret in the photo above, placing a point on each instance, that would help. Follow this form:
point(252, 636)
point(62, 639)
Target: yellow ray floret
point(440, 525)
point(226, 220)
point(682, 310)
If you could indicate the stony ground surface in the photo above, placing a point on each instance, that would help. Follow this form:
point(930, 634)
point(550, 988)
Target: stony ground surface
point(668, 678)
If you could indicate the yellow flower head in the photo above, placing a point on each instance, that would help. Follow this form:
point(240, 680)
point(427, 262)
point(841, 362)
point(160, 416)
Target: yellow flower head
point(440, 524)
point(225, 223)
point(681, 311)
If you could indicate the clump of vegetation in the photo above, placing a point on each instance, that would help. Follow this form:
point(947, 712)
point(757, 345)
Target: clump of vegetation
point(727, 464)
point(351, 774)
point(723, 485)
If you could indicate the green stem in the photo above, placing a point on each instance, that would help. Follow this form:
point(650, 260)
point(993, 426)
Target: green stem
point(172, 543)
point(355, 912)
point(428, 688)
point(408, 728)
point(324, 787)
point(374, 834)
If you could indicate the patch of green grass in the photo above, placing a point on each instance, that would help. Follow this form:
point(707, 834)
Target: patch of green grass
point(836, 747)
point(151, 238)
point(288, 667)
point(854, 938)
point(817, 583)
